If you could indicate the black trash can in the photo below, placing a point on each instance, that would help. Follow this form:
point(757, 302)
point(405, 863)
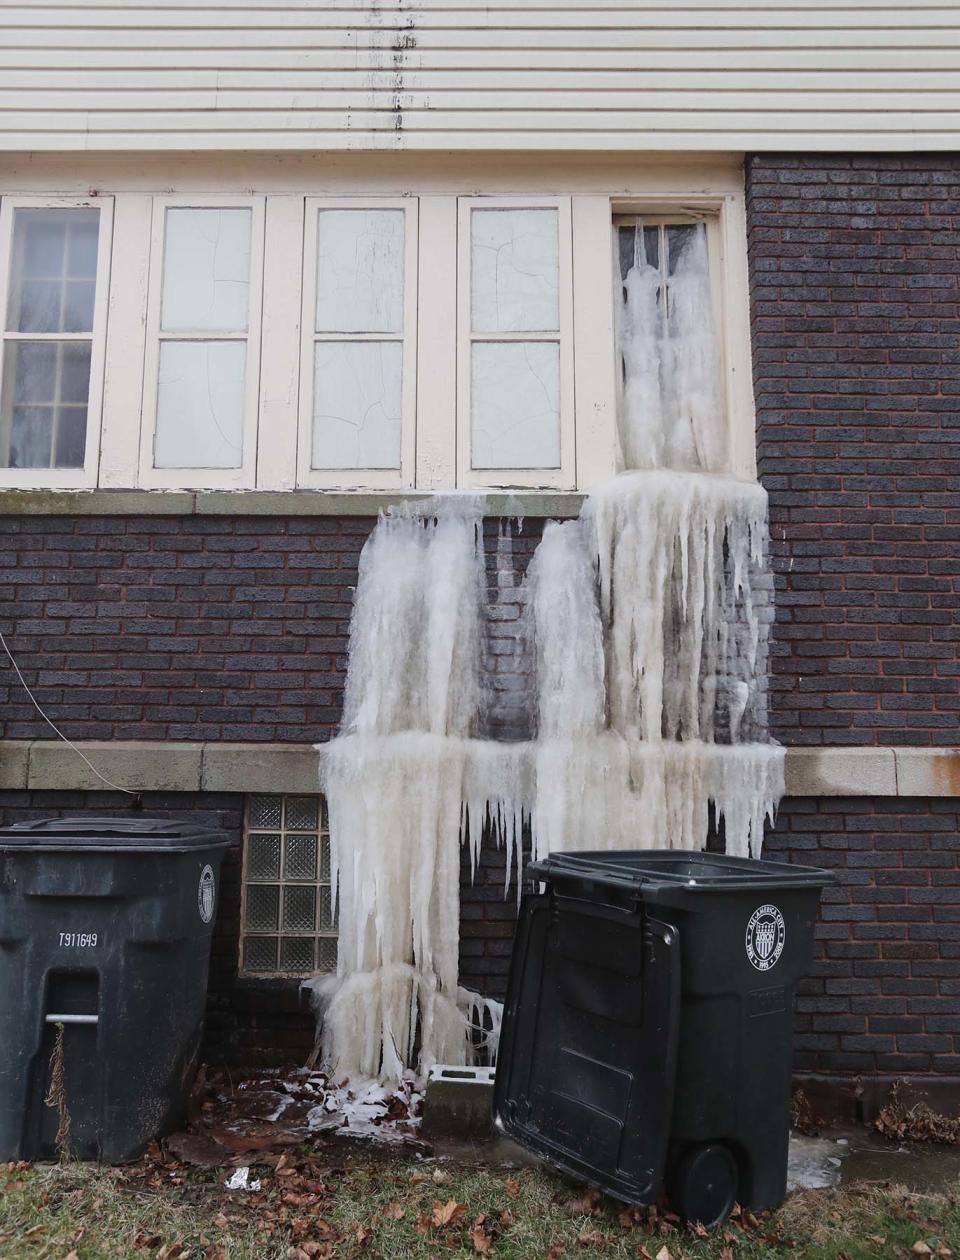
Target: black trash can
point(105, 927)
point(647, 1035)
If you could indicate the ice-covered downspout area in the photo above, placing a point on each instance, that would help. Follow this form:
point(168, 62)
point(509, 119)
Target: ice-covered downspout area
point(646, 624)
point(398, 780)
point(649, 617)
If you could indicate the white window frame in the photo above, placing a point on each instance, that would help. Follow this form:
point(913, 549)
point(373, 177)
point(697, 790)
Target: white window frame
point(244, 477)
point(359, 478)
point(729, 300)
point(565, 476)
point(72, 478)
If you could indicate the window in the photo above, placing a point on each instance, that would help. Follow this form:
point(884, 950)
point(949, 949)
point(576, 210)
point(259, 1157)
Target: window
point(202, 373)
point(54, 273)
point(288, 922)
point(371, 341)
point(358, 366)
point(515, 379)
point(671, 406)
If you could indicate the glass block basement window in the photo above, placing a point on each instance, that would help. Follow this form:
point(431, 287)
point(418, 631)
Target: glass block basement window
point(289, 928)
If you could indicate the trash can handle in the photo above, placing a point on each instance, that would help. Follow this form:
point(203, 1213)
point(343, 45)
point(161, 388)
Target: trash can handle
point(72, 1019)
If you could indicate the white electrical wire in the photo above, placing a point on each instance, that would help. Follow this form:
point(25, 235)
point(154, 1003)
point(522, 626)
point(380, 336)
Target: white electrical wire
point(56, 730)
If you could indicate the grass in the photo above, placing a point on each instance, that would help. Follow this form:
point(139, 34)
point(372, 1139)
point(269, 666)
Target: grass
point(399, 1212)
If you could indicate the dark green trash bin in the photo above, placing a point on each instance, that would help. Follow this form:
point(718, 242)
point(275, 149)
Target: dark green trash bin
point(647, 1035)
point(105, 927)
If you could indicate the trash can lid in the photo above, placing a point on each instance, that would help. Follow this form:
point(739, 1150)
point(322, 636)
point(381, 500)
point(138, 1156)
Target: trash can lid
point(138, 833)
point(645, 871)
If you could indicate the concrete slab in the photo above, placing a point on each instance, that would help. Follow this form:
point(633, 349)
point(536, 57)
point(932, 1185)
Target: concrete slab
point(260, 768)
point(138, 766)
point(840, 772)
point(928, 771)
point(457, 1103)
point(14, 763)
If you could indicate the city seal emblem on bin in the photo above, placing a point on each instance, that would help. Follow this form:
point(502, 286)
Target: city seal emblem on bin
point(207, 894)
point(766, 933)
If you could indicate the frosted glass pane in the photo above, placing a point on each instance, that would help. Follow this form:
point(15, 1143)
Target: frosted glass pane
point(360, 271)
point(515, 271)
point(43, 409)
point(206, 270)
point(53, 270)
point(327, 951)
point(200, 404)
point(296, 954)
point(266, 811)
point(356, 404)
point(516, 405)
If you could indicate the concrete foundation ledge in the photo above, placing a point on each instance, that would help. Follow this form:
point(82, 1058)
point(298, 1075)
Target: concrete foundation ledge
point(844, 1100)
point(533, 503)
point(155, 766)
point(169, 766)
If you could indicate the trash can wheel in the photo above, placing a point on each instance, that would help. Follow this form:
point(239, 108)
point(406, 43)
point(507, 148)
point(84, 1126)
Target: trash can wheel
point(703, 1184)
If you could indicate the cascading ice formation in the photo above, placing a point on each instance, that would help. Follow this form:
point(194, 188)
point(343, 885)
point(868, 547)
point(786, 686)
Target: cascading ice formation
point(646, 625)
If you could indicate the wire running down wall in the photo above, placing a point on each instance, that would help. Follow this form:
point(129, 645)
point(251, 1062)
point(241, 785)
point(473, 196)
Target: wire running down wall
point(868, 75)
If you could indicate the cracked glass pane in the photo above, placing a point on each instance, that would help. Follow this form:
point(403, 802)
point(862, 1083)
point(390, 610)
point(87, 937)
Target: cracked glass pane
point(515, 404)
point(206, 270)
point(357, 399)
point(200, 404)
point(515, 271)
point(360, 271)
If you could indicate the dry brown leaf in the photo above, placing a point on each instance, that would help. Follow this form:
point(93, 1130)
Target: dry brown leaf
point(664, 1254)
point(920, 1248)
point(506, 1218)
point(726, 1253)
point(35, 1231)
point(557, 1250)
point(512, 1187)
point(422, 1223)
point(447, 1213)
point(588, 1204)
point(71, 1255)
point(482, 1241)
point(593, 1239)
point(393, 1211)
point(439, 1176)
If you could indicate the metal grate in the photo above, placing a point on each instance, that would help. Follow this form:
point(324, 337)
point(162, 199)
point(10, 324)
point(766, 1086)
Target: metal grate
point(288, 924)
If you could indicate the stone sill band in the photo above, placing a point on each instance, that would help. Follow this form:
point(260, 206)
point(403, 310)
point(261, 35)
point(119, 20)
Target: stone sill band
point(532, 503)
point(159, 766)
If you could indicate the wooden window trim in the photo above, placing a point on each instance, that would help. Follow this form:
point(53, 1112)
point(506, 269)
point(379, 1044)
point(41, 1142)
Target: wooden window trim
point(244, 477)
point(564, 477)
point(359, 478)
point(87, 476)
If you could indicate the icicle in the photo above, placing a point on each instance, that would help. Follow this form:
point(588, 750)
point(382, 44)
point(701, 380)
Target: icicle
point(676, 549)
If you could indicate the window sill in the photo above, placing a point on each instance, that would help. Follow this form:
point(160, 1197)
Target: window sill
point(532, 503)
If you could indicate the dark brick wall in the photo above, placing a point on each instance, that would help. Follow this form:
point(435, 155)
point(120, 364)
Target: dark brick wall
point(181, 628)
point(884, 993)
point(854, 269)
point(194, 628)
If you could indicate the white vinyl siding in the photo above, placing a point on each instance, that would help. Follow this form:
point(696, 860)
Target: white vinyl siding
point(694, 75)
